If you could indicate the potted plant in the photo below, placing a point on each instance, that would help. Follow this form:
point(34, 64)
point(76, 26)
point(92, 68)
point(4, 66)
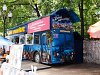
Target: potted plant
point(29, 39)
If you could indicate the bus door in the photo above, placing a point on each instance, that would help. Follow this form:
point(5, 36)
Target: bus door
point(45, 43)
point(46, 46)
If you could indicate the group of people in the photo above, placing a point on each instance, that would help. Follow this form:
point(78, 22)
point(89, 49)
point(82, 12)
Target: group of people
point(2, 50)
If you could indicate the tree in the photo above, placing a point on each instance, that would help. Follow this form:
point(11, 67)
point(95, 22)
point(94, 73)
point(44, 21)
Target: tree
point(26, 10)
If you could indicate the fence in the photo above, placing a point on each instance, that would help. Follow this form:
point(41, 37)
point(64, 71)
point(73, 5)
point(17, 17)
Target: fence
point(92, 51)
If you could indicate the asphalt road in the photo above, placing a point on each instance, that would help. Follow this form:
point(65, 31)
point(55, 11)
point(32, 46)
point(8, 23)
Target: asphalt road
point(64, 69)
point(75, 69)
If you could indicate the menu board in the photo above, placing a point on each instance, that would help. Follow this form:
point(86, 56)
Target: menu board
point(13, 67)
point(16, 56)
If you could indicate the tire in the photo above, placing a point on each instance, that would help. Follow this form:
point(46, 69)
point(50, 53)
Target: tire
point(37, 57)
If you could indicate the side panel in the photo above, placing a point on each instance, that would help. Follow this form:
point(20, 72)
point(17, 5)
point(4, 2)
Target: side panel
point(62, 47)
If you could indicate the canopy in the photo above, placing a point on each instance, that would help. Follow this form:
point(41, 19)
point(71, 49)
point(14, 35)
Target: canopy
point(94, 30)
point(5, 41)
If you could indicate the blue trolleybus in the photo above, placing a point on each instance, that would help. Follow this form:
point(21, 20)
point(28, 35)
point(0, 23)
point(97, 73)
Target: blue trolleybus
point(49, 39)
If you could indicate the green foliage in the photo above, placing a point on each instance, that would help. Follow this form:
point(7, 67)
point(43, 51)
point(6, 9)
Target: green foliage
point(24, 11)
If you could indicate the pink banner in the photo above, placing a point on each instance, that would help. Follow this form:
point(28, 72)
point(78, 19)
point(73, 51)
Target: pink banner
point(39, 25)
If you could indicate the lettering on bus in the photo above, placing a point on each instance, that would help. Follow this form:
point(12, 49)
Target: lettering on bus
point(18, 30)
point(39, 25)
point(62, 23)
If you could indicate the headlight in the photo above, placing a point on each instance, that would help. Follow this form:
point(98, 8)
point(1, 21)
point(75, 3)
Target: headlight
point(57, 54)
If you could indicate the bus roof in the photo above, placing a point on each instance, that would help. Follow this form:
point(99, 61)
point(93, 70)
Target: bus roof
point(64, 12)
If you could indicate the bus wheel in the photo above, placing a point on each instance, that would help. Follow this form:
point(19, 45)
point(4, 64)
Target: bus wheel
point(37, 57)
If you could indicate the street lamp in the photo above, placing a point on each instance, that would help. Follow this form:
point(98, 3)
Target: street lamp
point(5, 15)
point(4, 7)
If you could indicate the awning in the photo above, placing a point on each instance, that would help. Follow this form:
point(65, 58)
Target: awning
point(94, 30)
point(4, 41)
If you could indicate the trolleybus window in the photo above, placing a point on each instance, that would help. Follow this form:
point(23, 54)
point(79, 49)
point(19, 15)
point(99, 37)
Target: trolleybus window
point(29, 38)
point(22, 39)
point(36, 39)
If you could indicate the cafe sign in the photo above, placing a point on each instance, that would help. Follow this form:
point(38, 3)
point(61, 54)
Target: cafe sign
point(16, 31)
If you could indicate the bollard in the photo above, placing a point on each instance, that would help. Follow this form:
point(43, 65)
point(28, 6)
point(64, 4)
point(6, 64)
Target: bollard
point(32, 68)
point(33, 72)
point(35, 69)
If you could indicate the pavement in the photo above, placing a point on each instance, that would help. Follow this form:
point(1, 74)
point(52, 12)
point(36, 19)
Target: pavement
point(63, 69)
point(72, 69)
point(26, 65)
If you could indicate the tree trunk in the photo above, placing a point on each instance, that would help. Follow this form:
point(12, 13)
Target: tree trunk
point(37, 11)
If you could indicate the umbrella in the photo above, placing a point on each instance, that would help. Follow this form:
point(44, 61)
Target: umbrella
point(94, 30)
point(5, 41)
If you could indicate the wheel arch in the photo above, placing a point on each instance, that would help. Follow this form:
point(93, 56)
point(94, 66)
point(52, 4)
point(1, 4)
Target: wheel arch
point(34, 53)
